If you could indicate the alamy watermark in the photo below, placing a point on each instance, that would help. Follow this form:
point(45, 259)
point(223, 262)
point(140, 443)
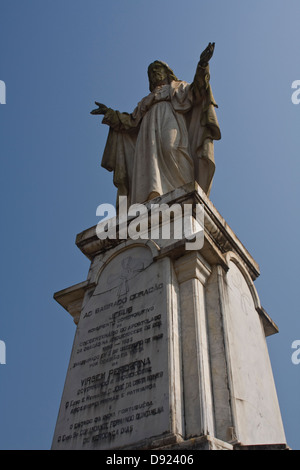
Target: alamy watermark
point(2, 92)
point(2, 352)
point(296, 94)
point(152, 221)
point(296, 354)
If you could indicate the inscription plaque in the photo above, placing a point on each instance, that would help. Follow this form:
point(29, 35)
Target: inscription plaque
point(120, 386)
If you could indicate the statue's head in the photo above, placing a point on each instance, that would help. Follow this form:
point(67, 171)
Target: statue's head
point(159, 72)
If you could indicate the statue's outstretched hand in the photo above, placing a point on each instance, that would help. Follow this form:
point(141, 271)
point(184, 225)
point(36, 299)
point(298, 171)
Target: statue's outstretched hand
point(101, 108)
point(207, 54)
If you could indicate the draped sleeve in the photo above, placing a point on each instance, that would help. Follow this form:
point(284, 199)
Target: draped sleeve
point(118, 155)
point(197, 102)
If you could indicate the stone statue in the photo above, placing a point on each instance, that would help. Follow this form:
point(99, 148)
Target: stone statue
point(167, 141)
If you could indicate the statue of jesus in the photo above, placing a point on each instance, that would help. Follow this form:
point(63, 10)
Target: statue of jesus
point(167, 141)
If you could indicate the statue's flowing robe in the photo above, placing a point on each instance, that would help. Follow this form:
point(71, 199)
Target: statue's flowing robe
point(166, 142)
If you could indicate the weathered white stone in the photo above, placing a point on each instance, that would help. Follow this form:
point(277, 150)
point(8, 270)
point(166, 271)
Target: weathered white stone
point(123, 383)
point(192, 273)
point(170, 349)
point(258, 419)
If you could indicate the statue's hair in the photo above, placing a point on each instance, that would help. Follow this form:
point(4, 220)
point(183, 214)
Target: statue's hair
point(171, 75)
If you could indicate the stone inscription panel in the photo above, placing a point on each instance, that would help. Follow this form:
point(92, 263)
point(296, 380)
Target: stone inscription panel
point(117, 386)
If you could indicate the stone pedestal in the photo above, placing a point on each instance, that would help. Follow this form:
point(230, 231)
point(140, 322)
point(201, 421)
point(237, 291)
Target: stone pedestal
point(170, 349)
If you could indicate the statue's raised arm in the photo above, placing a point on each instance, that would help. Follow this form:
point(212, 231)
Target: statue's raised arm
point(207, 54)
point(202, 76)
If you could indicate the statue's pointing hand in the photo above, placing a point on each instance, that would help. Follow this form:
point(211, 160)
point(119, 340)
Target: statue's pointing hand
point(101, 108)
point(207, 54)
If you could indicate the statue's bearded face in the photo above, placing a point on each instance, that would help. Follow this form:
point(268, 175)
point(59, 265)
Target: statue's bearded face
point(157, 75)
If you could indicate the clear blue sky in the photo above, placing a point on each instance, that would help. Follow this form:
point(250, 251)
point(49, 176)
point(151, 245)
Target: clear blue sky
point(57, 57)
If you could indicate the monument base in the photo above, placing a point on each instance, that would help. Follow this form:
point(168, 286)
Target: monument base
point(176, 443)
point(211, 443)
point(170, 349)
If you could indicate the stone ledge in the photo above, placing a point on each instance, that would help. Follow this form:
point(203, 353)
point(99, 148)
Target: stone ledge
point(199, 443)
point(71, 298)
point(262, 447)
point(270, 327)
point(170, 442)
point(219, 237)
